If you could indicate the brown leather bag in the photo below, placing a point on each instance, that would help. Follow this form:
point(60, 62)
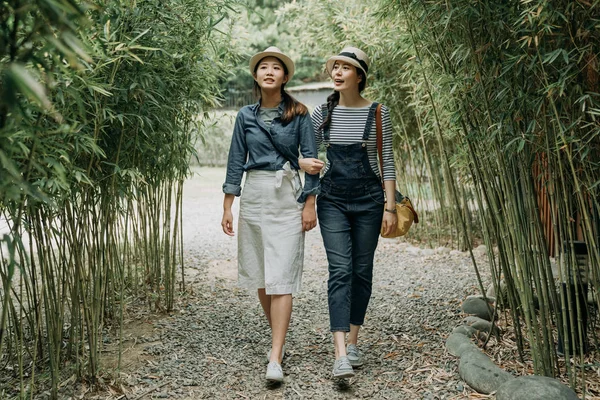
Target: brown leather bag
point(404, 208)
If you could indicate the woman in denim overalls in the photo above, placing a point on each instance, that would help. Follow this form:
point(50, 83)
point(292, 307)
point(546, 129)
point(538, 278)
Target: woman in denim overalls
point(351, 204)
point(275, 210)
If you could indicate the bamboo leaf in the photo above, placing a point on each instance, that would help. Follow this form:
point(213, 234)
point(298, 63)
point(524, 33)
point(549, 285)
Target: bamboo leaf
point(20, 77)
point(135, 39)
point(75, 44)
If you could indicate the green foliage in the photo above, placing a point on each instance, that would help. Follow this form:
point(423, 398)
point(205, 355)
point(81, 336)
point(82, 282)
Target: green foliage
point(99, 106)
point(260, 25)
point(213, 149)
point(495, 105)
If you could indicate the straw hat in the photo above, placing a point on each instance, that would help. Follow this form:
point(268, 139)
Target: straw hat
point(273, 52)
point(351, 55)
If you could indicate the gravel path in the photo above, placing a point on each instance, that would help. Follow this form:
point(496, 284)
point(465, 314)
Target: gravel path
point(213, 346)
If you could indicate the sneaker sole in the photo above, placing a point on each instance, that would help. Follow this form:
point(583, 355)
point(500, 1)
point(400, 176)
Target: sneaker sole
point(274, 379)
point(348, 374)
point(356, 364)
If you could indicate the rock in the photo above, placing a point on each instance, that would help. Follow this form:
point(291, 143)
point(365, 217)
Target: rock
point(457, 344)
point(480, 250)
point(590, 298)
point(478, 307)
point(131, 381)
point(534, 388)
point(465, 330)
point(413, 250)
point(479, 372)
point(491, 291)
point(403, 245)
point(442, 250)
point(428, 252)
point(479, 324)
point(490, 300)
point(502, 297)
point(469, 332)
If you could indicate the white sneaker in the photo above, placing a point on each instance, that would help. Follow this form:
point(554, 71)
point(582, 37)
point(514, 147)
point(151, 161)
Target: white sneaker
point(274, 372)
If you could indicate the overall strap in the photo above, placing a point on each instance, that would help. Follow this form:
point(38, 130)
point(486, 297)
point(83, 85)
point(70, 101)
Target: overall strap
point(324, 112)
point(369, 123)
point(379, 131)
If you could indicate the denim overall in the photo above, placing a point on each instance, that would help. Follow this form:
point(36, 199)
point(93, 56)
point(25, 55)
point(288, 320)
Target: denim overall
point(350, 210)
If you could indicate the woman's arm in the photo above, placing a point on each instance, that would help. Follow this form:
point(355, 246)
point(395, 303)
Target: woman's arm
point(390, 219)
point(227, 221)
point(238, 152)
point(309, 215)
point(308, 149)
point(311, 164)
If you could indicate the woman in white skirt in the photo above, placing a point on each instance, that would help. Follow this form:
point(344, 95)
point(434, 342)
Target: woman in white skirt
point(275, 209)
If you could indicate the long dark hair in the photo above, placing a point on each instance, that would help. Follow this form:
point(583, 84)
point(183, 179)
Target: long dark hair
point(334, 98)
point(291, 106)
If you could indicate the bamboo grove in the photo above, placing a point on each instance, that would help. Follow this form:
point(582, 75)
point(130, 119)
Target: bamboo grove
point(99, 104)
point(496, 108)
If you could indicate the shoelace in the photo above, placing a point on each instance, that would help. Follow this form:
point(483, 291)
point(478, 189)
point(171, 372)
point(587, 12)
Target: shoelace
point(344, 363)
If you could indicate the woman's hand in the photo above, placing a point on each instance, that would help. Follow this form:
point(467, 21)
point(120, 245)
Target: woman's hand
point(309, 215)
point(311, 165)
point(227, 222)
point(389, 222)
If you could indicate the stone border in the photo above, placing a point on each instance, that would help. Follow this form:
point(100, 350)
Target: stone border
point(482, 374)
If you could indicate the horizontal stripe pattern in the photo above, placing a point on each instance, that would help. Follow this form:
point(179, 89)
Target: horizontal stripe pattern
point(347, 127)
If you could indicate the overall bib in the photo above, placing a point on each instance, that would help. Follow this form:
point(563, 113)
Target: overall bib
point(350, 211)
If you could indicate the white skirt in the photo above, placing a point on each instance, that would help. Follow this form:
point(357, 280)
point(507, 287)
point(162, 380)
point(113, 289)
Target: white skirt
point(271, 240)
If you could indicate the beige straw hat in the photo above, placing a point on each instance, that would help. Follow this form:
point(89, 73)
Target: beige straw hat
point(351, 55)
point(273, 52)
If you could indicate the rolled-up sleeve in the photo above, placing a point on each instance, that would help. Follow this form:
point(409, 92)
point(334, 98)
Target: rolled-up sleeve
point(238, 152)
point(308, 148)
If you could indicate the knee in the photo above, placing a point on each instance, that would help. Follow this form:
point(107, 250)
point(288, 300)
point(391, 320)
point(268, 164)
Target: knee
point(363, 274)
point(339, 276)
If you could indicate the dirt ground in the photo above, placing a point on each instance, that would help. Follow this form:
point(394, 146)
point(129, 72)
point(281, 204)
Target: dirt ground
point(214, 344)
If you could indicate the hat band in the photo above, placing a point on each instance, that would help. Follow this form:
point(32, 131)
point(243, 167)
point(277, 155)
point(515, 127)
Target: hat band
point(353, 56)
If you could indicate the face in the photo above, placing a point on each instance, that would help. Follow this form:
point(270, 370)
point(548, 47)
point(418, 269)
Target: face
point(270, 73)
point(345, 77)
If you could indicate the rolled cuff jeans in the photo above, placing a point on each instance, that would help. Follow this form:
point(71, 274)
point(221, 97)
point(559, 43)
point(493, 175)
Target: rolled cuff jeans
point(350, 224)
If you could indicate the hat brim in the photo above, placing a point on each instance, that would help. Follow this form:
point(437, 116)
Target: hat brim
point(331, 61)
point(289, 64)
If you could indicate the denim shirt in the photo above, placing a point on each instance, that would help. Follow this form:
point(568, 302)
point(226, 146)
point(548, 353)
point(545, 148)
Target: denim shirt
point(252, 149)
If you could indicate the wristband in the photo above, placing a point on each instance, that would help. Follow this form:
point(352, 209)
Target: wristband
point(393, 211)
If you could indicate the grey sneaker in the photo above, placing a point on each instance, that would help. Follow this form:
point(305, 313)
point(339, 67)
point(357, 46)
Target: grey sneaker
point(354, 355)
point(342, 368)
point(274, 372)
point(282, 354)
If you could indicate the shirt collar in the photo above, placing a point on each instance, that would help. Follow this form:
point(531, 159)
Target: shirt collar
point(256, 106)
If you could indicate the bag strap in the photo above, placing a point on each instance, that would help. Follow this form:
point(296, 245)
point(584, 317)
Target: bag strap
point(379, 129)
point(278, 149)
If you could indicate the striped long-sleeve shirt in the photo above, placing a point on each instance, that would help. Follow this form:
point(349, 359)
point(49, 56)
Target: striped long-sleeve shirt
point(347, 127)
